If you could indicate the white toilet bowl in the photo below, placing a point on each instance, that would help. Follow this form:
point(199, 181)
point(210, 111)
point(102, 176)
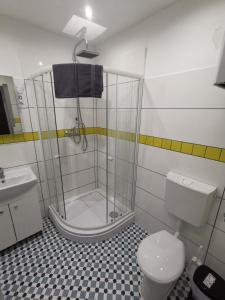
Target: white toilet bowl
point(161, 257)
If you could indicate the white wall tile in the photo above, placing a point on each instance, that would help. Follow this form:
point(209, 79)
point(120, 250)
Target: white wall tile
point(214, 210)
point(153, 182)
point(155, 207)
point(102, 140)
point(111, 96)
point(123, 169)
point(150, 223)
point(163, 161)
point(66, 117)
point(72, 102)
point(39, 150)
point(67, 146)
point(216, 265)
point(47, 169)
point(221, 217)
point(75, 163)
point(127, 94)
point(217, 245)
point(189, 89)
point(101, 118)
point(17, 154)
point(78, 179)
point(200, 126)
point(102, 178)
point(26, 120)
point(30, 92)
point(46, 149)
point(32, 166)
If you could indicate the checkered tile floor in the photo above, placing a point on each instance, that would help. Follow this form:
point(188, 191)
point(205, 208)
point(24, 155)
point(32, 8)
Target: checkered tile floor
point(182, 289)
point(47, 266)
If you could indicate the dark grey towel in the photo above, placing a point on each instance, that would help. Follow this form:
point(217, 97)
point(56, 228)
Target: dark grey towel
point(78, 80)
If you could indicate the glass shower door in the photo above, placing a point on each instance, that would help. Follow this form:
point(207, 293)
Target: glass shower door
point(125, 144)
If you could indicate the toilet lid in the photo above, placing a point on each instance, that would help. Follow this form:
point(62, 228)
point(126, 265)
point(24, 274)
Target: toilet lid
point(161, 257)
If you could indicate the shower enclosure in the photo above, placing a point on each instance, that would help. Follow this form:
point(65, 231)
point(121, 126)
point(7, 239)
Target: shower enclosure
point(91, 194)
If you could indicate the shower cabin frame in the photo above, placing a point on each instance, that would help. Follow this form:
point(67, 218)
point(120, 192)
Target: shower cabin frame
point(86, 235)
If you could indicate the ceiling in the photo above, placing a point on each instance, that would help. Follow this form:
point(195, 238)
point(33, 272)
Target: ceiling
point(53, 15)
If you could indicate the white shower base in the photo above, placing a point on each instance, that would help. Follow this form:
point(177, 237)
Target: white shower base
point(88, 210)
point(86, 218)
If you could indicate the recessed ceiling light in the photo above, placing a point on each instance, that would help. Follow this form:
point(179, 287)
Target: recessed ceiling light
point(40, 63)
point(88, 12)
point(76, 24)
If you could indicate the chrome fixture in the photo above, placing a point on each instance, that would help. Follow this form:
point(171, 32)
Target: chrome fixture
point(2, 175)
point(79, 124)
point(86, 53)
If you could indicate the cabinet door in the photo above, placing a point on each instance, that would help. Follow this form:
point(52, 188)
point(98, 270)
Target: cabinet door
point(26, 217)
point(7, 234)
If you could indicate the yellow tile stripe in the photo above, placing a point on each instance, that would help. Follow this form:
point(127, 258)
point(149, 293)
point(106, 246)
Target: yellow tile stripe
point(213, 153)
point(17, 120)
point(203, 151)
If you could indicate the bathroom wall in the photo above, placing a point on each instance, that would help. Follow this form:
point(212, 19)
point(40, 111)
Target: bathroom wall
point(26, 49)
point(182, 117)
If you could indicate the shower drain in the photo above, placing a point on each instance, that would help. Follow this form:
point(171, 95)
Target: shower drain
point(113, 214)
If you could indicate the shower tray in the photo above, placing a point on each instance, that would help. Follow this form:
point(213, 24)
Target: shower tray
point(89, 235)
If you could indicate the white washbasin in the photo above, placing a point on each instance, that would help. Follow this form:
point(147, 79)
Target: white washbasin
point(17, 181)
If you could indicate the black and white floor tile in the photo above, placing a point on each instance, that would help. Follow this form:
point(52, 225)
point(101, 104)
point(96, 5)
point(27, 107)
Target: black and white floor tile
point(48, 266)
point(182, 290)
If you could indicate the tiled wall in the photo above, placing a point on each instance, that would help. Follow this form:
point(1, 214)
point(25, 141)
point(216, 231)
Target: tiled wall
point(182, 118)
point(23, 46)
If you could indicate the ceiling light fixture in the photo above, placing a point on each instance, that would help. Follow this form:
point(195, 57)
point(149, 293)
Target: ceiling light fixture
point(76, 24)
point(88, 12)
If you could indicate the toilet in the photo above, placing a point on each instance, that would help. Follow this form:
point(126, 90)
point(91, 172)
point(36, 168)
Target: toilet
point(161, 256)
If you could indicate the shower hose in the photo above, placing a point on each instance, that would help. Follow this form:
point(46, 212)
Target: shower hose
point(80, 129)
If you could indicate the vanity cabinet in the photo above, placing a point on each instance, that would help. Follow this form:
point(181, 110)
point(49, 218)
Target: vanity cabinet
point(20, 217)
point(26, 217)
point(7, 234)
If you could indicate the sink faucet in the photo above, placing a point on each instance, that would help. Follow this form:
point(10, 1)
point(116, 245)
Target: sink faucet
point(2, 175)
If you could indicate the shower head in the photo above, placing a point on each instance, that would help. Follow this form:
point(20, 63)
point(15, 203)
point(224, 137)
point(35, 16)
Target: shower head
point(87, 53)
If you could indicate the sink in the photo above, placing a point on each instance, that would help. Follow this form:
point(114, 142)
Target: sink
point(17, 180)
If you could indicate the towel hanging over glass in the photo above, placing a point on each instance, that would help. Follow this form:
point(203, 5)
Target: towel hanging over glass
point(78, 80)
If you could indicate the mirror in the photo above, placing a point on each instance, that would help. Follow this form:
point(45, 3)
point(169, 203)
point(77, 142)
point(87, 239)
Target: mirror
point(10, 122)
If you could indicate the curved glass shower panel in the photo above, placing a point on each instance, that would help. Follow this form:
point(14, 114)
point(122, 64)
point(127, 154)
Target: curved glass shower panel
point(40, 91)
point(117, 118)
point(92, 189)
point(78, 166)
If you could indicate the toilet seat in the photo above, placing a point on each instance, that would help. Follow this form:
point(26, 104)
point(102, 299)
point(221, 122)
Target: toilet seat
point(161, 257)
